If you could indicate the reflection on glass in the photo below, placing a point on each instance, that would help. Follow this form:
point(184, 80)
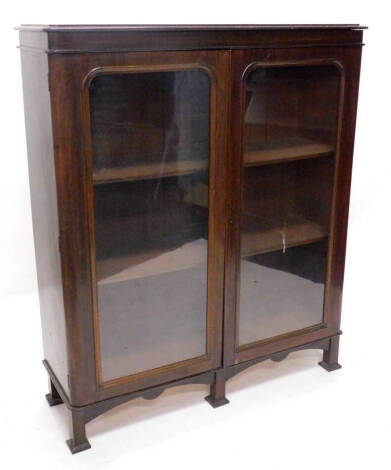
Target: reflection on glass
point(150, 138)
point(289, 149)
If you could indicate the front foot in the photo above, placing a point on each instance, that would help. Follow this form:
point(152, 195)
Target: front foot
point(75, 448)
point(216, 403)
point(330, 367)
point(79, 441)
point(217, 391)
point(330, 355)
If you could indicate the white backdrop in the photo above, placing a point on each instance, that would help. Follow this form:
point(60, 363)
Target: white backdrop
point(294, 414)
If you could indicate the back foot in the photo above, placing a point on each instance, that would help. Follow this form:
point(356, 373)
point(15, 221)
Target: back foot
point(53, 397)
point(330, 355)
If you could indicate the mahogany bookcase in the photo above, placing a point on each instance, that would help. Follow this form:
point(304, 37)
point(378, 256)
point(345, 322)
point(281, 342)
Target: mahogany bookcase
point(190, 193)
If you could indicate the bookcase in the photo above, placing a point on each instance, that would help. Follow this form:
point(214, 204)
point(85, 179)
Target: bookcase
point(190, 193)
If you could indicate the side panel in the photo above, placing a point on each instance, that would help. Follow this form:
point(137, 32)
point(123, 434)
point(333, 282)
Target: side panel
point(44, 209)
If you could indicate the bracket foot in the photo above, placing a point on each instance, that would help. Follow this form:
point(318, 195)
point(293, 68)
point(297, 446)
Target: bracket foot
point(78, 447)
point(330, 367)
point(53, 400)
point(216, 403)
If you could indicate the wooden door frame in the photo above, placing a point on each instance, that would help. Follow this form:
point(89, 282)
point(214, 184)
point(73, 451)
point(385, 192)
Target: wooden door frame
point(74, 166)
point(347, 59)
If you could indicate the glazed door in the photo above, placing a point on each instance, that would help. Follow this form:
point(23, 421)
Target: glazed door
point(286, 151)
point(157, 241)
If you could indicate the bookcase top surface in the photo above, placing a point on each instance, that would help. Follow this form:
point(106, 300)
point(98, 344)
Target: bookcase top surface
point(58, 39)
point(181, 27)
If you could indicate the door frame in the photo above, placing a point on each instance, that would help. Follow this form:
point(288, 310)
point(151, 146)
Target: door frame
point(77, 71)
point(346, 60)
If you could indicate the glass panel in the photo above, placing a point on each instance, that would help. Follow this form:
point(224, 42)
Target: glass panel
point(150, 138)
point(289, 148)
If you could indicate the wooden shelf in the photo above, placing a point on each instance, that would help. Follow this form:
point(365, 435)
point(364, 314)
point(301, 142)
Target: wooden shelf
point(264, 156)
point(149, 171)
point(289, 153)
point(152, 262)
point(300, 233)
point(112, 270)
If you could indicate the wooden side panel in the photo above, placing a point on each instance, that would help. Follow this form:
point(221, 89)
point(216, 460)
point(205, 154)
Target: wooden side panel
point(44, 210)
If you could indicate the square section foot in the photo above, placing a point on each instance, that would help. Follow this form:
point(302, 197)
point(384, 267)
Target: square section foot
point(79, 447)
point(330, 367)
point(214, 403)
point(53, 401)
